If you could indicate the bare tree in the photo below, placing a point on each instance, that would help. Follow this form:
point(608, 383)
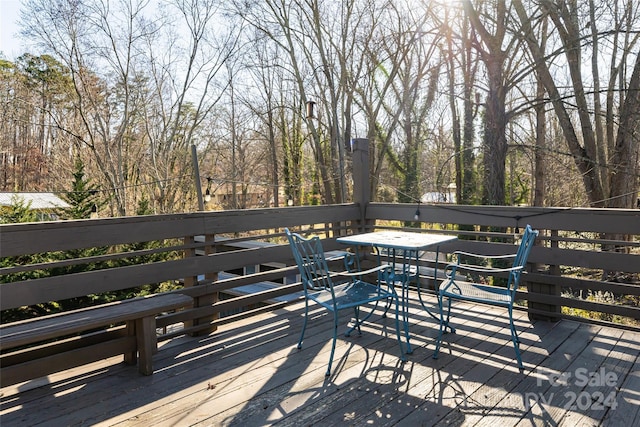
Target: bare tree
point(278, 118)
point(541, 127)
point(462, 65)
point(139, 106)
point(496, 51)
point(412, 96)
point(186, 89)
point(608, 180)
point(35, 94)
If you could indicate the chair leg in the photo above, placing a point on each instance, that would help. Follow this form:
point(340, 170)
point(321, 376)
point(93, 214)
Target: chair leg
point(357, 323)
point(516, 340)
point(439, 340)
point(333, 343)
point(389, 301)
point(360, 321)
point(304, 324)
point(384, 277)
point(514, 331)
point(444, 323)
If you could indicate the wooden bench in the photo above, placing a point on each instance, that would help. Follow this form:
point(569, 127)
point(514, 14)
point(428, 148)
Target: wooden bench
point(136, 339)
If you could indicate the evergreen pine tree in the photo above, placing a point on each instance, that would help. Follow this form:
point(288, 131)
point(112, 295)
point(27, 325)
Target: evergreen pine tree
point(81, 197)
point(18, 211)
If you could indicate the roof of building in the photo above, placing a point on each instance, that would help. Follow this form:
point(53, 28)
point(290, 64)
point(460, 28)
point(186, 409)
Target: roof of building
point(438, 197)
point(37, 200)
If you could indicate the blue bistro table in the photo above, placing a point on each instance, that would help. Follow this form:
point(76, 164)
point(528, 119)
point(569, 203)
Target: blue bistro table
point(403, 250)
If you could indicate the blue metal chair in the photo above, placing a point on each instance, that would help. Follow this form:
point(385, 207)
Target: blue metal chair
point(319, 286)
point(457, 288)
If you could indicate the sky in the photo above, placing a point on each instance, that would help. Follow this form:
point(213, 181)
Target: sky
point(9, 44)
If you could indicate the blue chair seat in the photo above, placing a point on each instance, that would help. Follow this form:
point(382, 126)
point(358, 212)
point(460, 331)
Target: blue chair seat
point(349, 295)
point(476, 292)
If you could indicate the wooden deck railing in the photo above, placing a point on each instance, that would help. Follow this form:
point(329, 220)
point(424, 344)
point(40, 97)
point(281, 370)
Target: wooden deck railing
point(105, 255)
point(53, 261)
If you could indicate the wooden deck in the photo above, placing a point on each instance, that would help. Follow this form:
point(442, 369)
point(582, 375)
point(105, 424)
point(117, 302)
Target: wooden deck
point(250, 373)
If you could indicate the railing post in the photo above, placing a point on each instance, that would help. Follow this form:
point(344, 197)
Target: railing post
point(204, 300)
point(210, 249)
point(361, 184)
point(546, 289)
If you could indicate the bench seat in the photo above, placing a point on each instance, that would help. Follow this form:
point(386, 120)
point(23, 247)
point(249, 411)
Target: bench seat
point(136, 340)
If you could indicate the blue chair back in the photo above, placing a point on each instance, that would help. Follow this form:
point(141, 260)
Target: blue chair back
point(520, 260)
point(312, 264)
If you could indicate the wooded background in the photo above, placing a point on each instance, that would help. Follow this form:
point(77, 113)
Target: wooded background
point(511, 102)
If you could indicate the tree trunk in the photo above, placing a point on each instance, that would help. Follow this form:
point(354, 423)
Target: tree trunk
point(495, 141)
point(624, 159)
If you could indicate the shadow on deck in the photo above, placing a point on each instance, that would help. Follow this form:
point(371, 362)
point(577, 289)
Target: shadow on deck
point(251, 373)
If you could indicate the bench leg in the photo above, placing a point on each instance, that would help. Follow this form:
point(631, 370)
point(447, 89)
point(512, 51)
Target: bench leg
point(147, 343)
point(132, 357)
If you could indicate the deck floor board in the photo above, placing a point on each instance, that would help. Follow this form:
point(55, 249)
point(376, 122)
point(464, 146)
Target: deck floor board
point(250, 373)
